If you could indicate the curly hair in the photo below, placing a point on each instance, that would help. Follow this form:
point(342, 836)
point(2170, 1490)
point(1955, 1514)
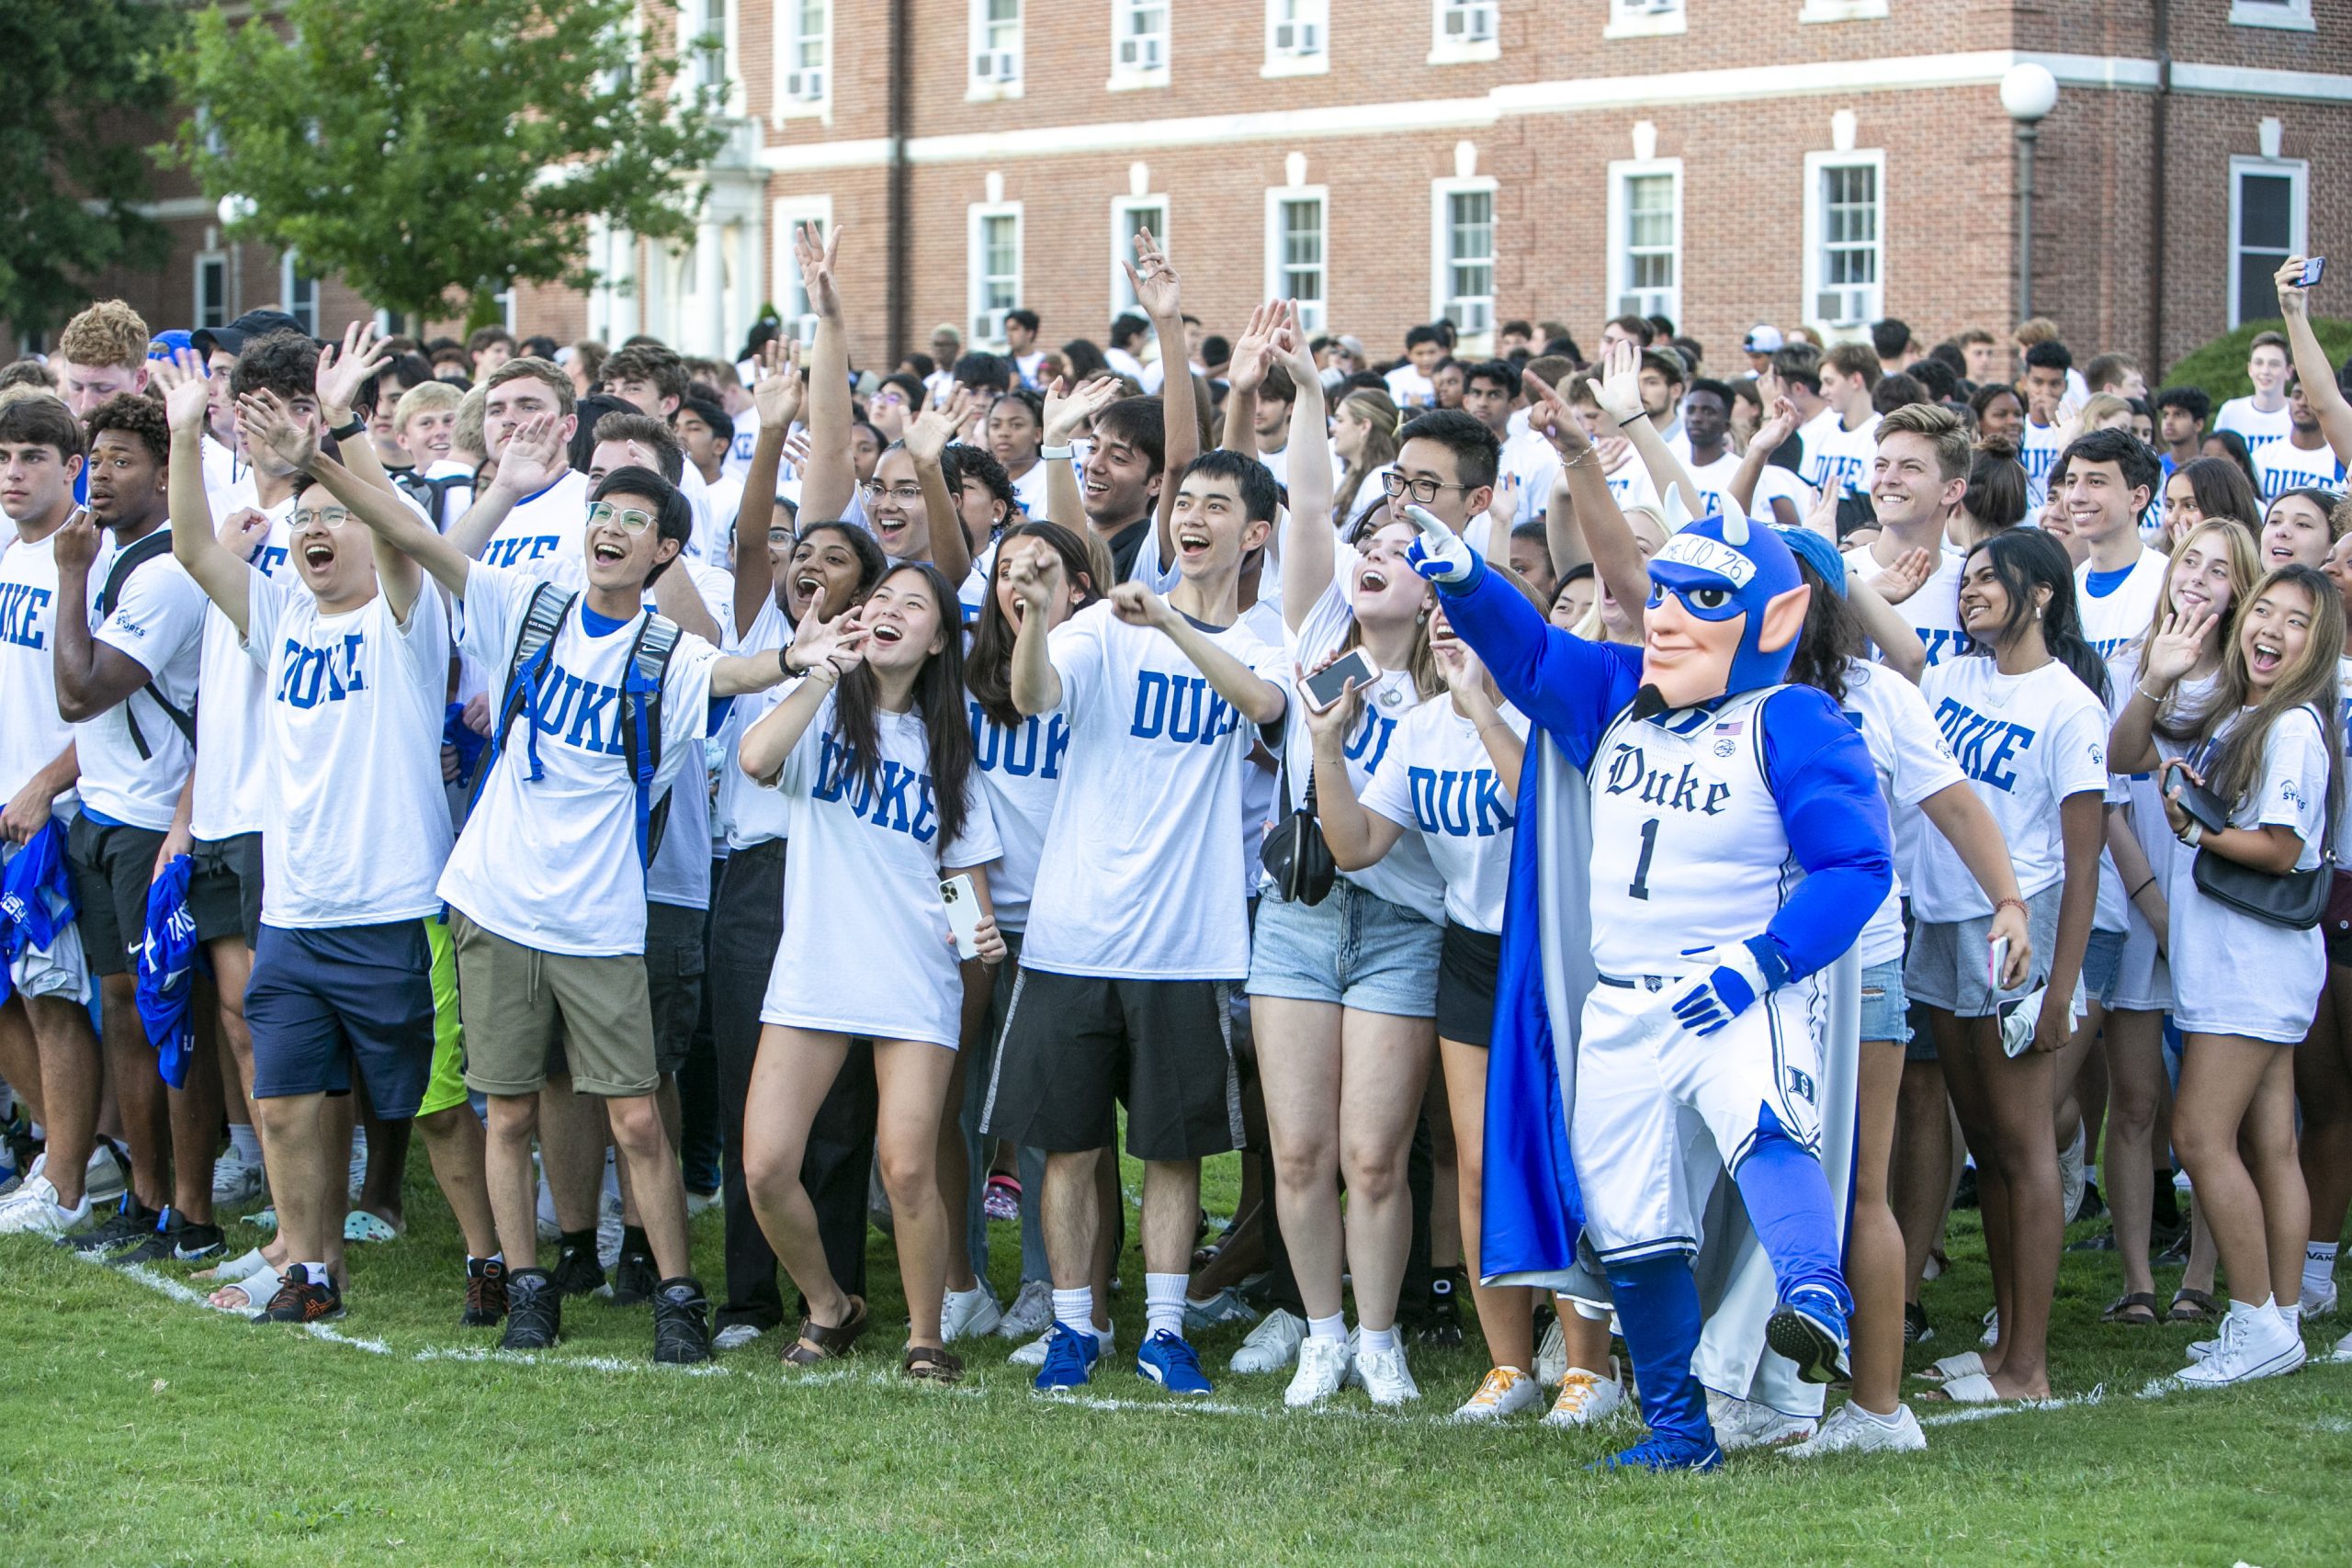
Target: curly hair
point(136, 416)
point(108, 332)
point(284, 362)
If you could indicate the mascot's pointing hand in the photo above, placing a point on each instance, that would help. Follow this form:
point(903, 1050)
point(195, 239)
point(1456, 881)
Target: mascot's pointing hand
point(1439, 553)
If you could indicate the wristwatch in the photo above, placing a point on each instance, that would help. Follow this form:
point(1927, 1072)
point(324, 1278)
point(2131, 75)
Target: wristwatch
point(345, 432)
point(2193, 833)
point(1057, 453)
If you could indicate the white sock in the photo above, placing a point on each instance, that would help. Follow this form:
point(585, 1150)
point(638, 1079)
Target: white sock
point(1380, 1338)
point(2290, 1312)
point(1332, 1328)
point(1074, 1310)
point(2090, 1174)
point(243, 1139)
point(1163, 1303)
point(314, 1273)
point(2319, 1267)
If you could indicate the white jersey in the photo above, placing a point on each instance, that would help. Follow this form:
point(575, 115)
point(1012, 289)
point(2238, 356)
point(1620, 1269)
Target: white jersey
point(2259, 427)
point(2282, 466)
point(1021, 770)
point(552, 863)
point(2117, 606)
point(2026, 742)
point(1933, 609)
point(1840, 458)
point(158, 620)
point(1913, 761)
point(1688, 846)
point(2038, 449)
point(354, 819)
point(544, 528)
point(865, 949)
point(1441, 785)
point(34, 733)
point(1149, 815)
point(228, 745)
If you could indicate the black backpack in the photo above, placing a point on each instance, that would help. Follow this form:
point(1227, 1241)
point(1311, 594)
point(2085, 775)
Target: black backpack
point(125, 561)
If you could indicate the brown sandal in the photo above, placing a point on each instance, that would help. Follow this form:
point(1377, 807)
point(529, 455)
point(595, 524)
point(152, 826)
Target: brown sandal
point(928, 1363)
point(2193, 1306)
point(2137, 1310)
point(817, 1343)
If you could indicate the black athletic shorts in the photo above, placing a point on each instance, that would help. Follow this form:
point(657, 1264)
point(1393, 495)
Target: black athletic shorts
point(111, 864)
point(224, 894)
point(675, 961)
point(1467, 964)
point(1075, 1048)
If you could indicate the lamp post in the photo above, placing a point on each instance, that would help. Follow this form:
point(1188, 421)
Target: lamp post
point(2028, 92)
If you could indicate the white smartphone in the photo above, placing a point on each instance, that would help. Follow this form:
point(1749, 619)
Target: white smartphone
point(1329, 684)
point(1999, 962)
point(963, 913)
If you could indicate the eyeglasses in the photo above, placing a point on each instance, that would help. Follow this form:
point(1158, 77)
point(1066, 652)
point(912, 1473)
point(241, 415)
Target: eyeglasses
point(780, 536)
point(1422, 490)
point(905, 495)
point(634, 519)
point(323, 517)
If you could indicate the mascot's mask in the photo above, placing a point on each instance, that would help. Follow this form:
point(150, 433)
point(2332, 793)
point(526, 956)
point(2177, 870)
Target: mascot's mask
point(1726, 608)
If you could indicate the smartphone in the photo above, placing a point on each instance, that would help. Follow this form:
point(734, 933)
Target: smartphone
point(2202, 804)
point(1329, 684)
point(2312, 270)
point(1998, 962)
point(963, 913)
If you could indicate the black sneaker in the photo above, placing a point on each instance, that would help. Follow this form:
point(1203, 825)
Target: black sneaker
point(157, 1244)
point(2103, 1242)
point(1964, 1195)
point(1916, 1330)
point(534, 1311)
point(132, 1222)
point(635, 1280)
point(197, 1243)
point(2092, 1206)
point(680, 1323)
point(300, 1302)
point(1441, 1324)
point(577, 1272)
point(485, 1293)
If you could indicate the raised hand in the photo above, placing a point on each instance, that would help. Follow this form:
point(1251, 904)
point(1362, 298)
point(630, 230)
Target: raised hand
point(1439, 553)
point(340, 375)
point(1140, 606)
point(76, 542)
point(816, 256)
point(840, 642)
point(2173, 652)
point(185, 407)
point(1619, 389)
point(930, 431)
point(1067, 412)
point(1030, 586)
point(1774, 433)
point(1158, 290)
point(1330, 729)
point(534, 458)
point(244, 532)
point(775, 383)
point(2295, 299)
point(1822, 516)
point(1254, 348)
point(1905, 577)
point(1548, 414)
point(183, 365)
point(266, 422)
point(1287, 347)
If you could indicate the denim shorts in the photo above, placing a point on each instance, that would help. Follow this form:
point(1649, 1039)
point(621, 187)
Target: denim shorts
point(2102, 964)
point(1886, 1010)
point(1353, 948)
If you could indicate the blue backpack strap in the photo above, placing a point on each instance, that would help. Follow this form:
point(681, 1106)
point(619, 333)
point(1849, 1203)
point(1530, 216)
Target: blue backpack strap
point(649, 664)
point(534, 653)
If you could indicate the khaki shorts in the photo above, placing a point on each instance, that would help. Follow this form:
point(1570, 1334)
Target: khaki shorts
point(516, 1001)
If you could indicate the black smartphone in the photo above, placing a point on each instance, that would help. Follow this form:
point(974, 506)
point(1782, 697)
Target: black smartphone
point(2202, 804)
point(1329, 684)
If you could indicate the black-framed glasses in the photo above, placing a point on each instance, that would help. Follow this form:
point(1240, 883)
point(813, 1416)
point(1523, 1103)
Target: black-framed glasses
point(632, 519)
point(1422, 491)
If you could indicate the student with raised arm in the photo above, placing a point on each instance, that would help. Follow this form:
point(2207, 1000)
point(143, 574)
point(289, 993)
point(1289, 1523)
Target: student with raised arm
point(547, 882)
point(1164, 698)
point(2313, 373)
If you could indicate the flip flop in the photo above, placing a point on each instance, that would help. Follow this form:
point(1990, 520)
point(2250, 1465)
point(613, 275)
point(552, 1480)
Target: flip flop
point(258, 1289)
point(361, 1225)
point(1964, 1364)
point(1970, 1388)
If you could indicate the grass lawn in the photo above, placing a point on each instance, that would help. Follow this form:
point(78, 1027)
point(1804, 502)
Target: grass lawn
point(145, 1429)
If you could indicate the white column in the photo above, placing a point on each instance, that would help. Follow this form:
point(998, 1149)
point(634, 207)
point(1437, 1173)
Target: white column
point(710, 288)
point(628, 289)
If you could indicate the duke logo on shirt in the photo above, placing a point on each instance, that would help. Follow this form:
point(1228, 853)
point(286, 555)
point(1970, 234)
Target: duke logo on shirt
point(517, 551)
point(1987, 747)
point(1033, 751)
point(1458, 803)
point(580, 713)
point(1942, 644)
point(315, 675)
point(896, 797)
point(1183, 708)
point(1371, 742)
point(1684, 790)
point(23, 608)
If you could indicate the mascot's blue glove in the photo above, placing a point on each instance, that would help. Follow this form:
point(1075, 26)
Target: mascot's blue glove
point(1440, 554)
point(1708, 1001)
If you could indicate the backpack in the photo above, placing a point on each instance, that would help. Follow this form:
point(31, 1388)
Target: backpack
point(431, 494)
point(127, 561)
point(640, 703)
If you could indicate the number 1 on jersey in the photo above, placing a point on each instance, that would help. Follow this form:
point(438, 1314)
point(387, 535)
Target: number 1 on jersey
point(1640, 886)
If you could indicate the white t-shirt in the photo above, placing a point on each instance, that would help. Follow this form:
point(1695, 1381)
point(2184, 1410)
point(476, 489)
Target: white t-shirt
point(222, 466)
point(34, 734)
point(1442, 787)
point(2025, 742)
point(725, 498)
point(1029, 364)
point(2110, 620)
point(1836, 456)
point(1121, 362)
point(159, 621)
point(2282, 466)
point(747, 813)
point(1407, 387)
point(1149, 814)
point(1021, 772)
point(551, 863)
point(680, 873)
point(544, 528)
point(2260, 429)
point(355, 818)
point(1714, 481)
point(865, 949)
point(2343, 819)
point(2038, 449)
point(229, 746)
point(1777, 482)
point(737, 461)
point(1933, 609)
point(1630, 483)
point(1029, 491)
point(1913, 761)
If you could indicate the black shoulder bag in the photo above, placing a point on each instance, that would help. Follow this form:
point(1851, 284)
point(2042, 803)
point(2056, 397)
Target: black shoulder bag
point(2296, 899)
point(1294, 854)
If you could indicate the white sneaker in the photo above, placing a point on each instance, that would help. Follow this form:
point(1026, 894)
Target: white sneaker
point(1587, 1399)
point(235, 1183)
point(699, 1203)
point(1850, 1431)
point(1031, 1311)
point(967, 1314)
point(1384, 1375)
point(1552, 1355)
point(1323, 1366)
point(734, 1336)
point(1034, 1353)
point(2074, 1180)
point(2256, 1342)
point(2320, 1305)
point(1504, 1391)
point(106, 1177)
point(1745, 1424)
point(2343, 1351)
point(1273, 1345)
point(33, 1210)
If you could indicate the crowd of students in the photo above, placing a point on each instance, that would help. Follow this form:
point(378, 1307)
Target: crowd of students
point(838, 792)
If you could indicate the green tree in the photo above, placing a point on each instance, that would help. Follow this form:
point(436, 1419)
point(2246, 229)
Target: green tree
point(429, 151)
point(72, 74)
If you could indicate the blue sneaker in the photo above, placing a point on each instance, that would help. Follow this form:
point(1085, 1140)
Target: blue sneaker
point(1809, 1328)
point(1658, 1452)
point(1171, 1363)
point(1070, 1357)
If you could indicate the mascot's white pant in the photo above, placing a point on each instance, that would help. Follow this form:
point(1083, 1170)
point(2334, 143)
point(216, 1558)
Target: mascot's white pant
point(1648, 1091)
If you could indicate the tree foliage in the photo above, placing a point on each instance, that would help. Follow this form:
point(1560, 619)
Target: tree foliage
point(429, 149)
point(71, 74)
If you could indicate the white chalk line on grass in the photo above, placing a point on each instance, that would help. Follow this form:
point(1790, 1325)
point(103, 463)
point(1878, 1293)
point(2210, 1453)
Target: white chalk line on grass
point(2097, 1395)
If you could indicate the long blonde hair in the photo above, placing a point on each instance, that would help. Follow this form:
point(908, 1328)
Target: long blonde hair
point(2245, 564)
point(1379, 448)
point(2234, 768)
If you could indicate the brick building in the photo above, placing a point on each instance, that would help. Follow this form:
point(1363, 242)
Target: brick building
point(1724, 162)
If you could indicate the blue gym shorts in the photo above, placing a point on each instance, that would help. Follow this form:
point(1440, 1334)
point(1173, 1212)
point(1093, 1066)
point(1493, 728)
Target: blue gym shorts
point(323, 999)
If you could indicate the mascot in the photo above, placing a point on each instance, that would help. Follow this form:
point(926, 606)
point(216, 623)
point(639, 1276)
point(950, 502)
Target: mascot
point(1696, 838)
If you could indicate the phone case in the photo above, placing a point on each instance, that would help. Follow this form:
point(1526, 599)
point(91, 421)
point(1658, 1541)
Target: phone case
point(963, 914)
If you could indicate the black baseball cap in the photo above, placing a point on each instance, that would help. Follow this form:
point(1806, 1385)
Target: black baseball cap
point(252, 324)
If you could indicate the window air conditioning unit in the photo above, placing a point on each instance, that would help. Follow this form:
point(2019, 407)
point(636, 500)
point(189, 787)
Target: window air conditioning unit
point(805, 86)
point(988, 326)
point(997, 65)
point(1299, 40)
point(1470, 24)
point(1843, 306)
point(1140, 54)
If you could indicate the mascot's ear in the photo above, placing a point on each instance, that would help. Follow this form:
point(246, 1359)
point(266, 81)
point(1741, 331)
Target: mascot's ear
point(1784, 618)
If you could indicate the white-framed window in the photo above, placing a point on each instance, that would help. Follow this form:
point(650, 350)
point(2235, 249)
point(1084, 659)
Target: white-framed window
point(1646, 18)
point(996, 50)
point(1845, 238)
point(1128, 214)
point(1646, 237)
point(1299, 42)
point(1842, 11)
point(1138, 43)
point(299, 294)
point(804, 56)
point(508, 302)
point(2295, 16)
point(993, 241)
point(211, 304)
point(1461, 254)
point(791, 211)
point(1298, 249)
point(1464, 29)
point(2269, 220)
